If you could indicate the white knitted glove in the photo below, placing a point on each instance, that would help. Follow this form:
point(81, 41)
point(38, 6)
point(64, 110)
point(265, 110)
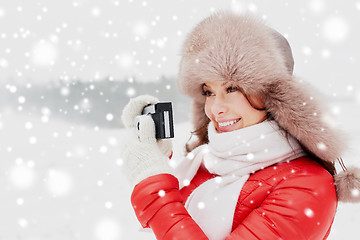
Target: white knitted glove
point(141, 153)
point(133, 109)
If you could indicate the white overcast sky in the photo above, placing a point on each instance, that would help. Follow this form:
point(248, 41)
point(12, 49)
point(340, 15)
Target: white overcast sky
point(46, 40)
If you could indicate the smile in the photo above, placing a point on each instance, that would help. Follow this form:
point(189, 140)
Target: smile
point(224, 124)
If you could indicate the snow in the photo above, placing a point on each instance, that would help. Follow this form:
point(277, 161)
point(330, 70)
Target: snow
point(336, 29)
point(317, 6)
point(59, 182)
point(100, 39)
point(201, 205)
point(64, 185)
point(70, 183)
point(22, 176)
point(161, 193)
point(309, 212)
point(60, 179)
point(107, 229)
point(44, 54)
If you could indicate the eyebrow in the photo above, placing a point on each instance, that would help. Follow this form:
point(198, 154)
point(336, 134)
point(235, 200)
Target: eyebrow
point(223, 84)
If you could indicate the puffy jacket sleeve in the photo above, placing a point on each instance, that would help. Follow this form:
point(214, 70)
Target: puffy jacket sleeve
point(158, 204)
point(301, 206)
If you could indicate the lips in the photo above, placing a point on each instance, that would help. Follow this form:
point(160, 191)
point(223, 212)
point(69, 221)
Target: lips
point(227, 125)
point(224, 124)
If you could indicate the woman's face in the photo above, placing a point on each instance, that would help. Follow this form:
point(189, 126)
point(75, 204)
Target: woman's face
point(229, 109)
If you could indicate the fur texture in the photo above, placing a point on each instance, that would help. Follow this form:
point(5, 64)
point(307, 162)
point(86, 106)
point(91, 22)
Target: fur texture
point(243, 50)
point(348, 185)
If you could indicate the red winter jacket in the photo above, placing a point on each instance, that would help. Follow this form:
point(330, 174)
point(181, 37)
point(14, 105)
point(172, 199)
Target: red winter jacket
point(294, 200)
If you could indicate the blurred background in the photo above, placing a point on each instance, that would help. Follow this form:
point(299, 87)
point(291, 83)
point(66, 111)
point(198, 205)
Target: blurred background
point(67, 68)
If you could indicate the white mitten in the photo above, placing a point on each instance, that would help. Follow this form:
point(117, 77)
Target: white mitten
point(134, 108)
point(165, 146)
point(141, 154)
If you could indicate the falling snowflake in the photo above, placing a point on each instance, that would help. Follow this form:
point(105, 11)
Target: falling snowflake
point(336, 110)
point(107, 229)
point(317, 6)
point(22, 176)
point(130, 92)
point(201, 205)
point(11, 88)
point(59, 183)
point(95, 12)
point(103, 149)
point(358, 5)
point(141, 29)
point(21, 100)
point(186, 182)
point(125, 61)
point(32, 140)
point(321, 146)
point(44, 54)
point(309, 212)
point(119, 161)
point(335, 29)
point(250, 156)
point(64, 91)
point(23, 223)
point(218, 179)
point(112, 141)
point(326, 53)
point(108, 205)
point(161, 193)
point(252, 7)
point(20, 201)
point(3, 63)
point(109, 117)
point(355, 192)
point(307, 50)
point(190, 156)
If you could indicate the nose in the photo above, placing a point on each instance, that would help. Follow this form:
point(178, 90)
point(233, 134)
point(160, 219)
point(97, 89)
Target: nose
point(219, 106)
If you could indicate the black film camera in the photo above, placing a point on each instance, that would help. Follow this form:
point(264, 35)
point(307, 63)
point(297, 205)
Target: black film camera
point(162, 116)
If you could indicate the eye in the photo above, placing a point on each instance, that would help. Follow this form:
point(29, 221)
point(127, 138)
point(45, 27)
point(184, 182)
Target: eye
point(232, 89)
point(207, 93)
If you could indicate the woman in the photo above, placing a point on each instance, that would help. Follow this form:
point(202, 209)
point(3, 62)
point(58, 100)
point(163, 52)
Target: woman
point(262, 166)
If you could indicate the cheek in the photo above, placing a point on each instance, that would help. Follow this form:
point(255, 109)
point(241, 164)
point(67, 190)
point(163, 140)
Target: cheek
point(238, 102)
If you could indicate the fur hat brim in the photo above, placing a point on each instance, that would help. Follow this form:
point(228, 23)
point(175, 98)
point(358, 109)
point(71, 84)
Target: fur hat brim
point(246, 52)
point(243, 50)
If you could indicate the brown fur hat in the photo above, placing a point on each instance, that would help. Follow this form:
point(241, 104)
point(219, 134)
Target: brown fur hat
point(243, 50)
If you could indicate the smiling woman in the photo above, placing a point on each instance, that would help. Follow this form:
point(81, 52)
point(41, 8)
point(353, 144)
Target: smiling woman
point(262, 144)
point(229, 109)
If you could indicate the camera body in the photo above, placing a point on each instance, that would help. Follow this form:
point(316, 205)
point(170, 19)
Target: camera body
point(162, 116)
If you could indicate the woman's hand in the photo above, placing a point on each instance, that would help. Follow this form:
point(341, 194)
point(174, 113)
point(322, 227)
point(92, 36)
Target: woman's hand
point(142, 153)
point(133, 109)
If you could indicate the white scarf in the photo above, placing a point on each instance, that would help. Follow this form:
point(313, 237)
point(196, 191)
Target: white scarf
point(233, 156)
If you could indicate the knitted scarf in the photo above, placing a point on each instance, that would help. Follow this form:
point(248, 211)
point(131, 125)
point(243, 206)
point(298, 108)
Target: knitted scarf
point(233, 156)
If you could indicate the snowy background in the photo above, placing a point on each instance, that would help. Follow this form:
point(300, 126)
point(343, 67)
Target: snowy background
point(68, 67)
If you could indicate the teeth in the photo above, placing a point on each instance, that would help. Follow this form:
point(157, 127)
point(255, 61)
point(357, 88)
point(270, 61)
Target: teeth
point(224, 124)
